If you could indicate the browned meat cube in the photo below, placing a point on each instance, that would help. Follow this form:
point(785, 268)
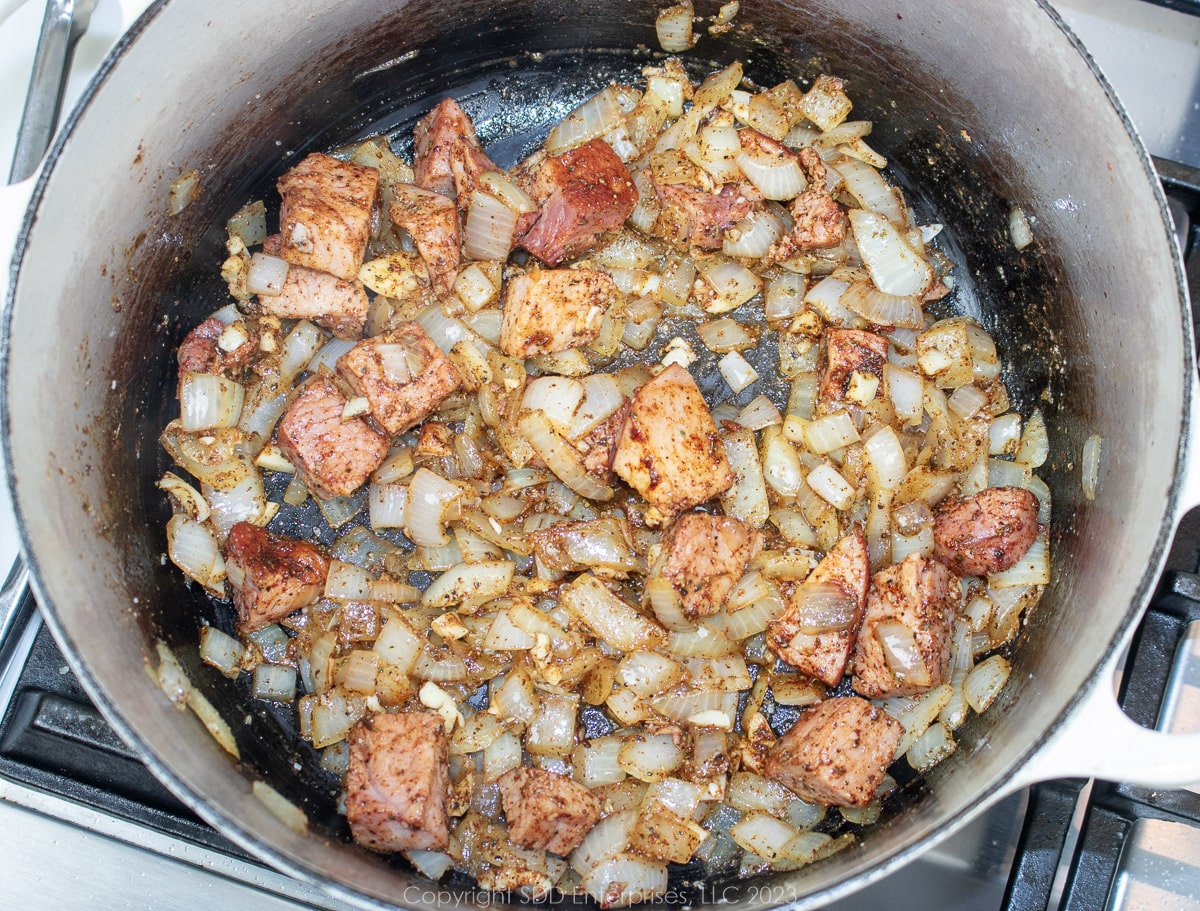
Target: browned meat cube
point(448, 158)
point(200, 353)
point(333, 456)
point(599, 445)
point(847, 351)
point(694, 216)
point(432, 220)
point(669, 450)
point(325, 216)
point(580, 193)
point(911, 606)
point(340, 306)
point(819, 221)
point(546, 810)
point(397, 786)
point(837, 752)
point(823, 653)
point(271, 575)
point(403, 374)
point(549, 310)
point(986, 533)
point(705, 557)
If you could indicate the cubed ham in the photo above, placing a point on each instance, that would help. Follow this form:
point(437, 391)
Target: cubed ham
point(694, 216)
point(546, 810)
point(818, 221)
point(581, 193)
point(905, 642)
point(837, 753)
point(986, 533)
point(669, 450)
point(705, 555)
point(550, 310)
point(823, 653)
point(397, 785)
point(200, 351)
point(333, 455)
point(325, 216)
point(402, 373)
point(432, 220)
point(448, 158)
point(846, 352)
point(338, 305)
point(271, 575)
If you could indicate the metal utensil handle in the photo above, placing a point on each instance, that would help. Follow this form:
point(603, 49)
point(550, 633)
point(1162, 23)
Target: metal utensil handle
point(62, 26)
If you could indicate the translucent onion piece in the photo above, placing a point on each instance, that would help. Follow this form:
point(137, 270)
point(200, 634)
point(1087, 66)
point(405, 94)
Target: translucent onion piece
point(595, 117)
point(822, 607)
point(907, 392)
point(551, 731)
point(556, 397)
point(504, 189)
point(747, 499)
point(488, 231)
point(775, 176)
point(762, 834)
point(446, 331)
point(429, 495)
point(560, 458)
point(183, 191)
point(606, 839)
point(894, 266)
point(884, 309)
point(885, 455)
point(274, 682)
point(966, 401)
point(1019, 229)
point(674, 28)
point(602, 397)
point(249, 223)
point(831, 432)
point(208, 401)
point(1091, 465)
point(609, 617)
point(1035, 441)
point(831, 487)
point(733, 283)
point(221, 650)
point(267, 274)
point(650, 757)
point(192, 547)
point(911, 518)
point(901, 653)
point(870, 190)
point(473, 582)
point(1004, 434)
point(753, 236)
point(784, 297)
point(737, 371)
point(826, 296)
point(985, 681)
point(386, 505)
point(648, 673)
point(760, 412)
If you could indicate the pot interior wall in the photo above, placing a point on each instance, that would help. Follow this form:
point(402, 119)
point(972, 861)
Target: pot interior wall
point(975, 114)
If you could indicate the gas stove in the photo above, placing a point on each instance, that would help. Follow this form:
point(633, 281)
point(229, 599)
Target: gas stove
point(84, 825)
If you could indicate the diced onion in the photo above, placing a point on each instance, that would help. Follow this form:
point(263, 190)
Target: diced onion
point(1035, 441)
point(831, 432)
point(274, 682)
point(823, 607)
point(747, 498)
point(648, 673)
point(737, 371)
point(429, 495)
point(753, 793)
point(733, 283)
point(267, 274)
point(985, 681)
point(609, 617)
point(386, 505)
point(560, 458)
point(901, 653)
point(870, 190)
point(472, 582)
point(551, 731)
point(183, 191)
point(674, 28)
point(208, 401)
point(595, 117)
point(1019, 229)
point(650, 757)
point(885, 454)
point(907, 392)
point(826, 298)
point(556, 397)
point(775, 176)
point(784, 297)
point(759, 413)
point(1031, 569)
point(504, 189)
point(753, 236)
point(221, 650)
point(192, 547)
point(762, 834)
point(894, 266)
point(488, 231)
point(884, 309)
point(299, 347)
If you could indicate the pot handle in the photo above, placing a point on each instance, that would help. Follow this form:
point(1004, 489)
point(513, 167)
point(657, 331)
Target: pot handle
point(1098, 740)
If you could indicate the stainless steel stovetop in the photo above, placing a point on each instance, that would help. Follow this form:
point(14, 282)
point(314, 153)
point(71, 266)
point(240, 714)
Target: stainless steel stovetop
point(59, 850)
